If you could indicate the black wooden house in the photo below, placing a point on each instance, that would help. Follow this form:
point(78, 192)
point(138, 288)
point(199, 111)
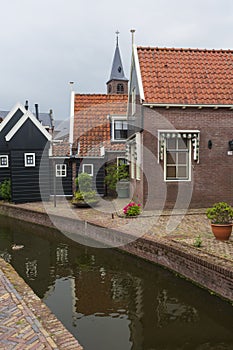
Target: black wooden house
point(24, 155)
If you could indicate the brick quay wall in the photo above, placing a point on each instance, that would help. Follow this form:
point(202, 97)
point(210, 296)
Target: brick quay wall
point(202, 268)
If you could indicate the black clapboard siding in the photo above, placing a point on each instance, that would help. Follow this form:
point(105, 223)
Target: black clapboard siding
point(63, 184)
point(27, 186)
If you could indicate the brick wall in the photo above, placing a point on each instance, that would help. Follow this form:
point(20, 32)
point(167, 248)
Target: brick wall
point(212, 178)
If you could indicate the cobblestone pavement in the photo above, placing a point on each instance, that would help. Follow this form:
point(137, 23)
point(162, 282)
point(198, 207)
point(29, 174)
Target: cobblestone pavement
point(178, 226)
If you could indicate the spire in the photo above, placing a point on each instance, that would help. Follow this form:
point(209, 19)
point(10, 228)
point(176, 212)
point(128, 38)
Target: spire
point(117, 72)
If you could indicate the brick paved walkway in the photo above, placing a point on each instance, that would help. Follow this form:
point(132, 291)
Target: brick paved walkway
point(25, 322)
point(19, 328)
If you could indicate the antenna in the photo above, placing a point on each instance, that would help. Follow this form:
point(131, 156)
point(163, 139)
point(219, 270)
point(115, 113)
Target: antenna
point(132, 32)
point(117, 36)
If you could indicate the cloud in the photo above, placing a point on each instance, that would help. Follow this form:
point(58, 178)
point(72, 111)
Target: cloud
point(45, 44)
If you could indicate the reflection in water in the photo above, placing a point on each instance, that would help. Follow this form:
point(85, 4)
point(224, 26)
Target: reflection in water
point(110, 300)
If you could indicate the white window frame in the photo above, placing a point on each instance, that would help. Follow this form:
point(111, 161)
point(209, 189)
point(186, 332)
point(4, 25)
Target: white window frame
point(2, 156)
point(114, 120)
point(188, 164)
point(61, 170)
point(33, 155)
point(138, 160)
point(132, 160)
point(92, 169)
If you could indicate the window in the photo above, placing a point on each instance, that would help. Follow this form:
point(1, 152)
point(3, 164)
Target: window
point(177, 159)
point(29, 159)
point(121, 161)
point(119, 129)
point(4, 161)
point(88, 169)
point(61, 170)
point(120, 88)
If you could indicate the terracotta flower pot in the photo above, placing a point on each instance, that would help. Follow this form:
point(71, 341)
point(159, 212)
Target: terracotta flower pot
point(221, 232)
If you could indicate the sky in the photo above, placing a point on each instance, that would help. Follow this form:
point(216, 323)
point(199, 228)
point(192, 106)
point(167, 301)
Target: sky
point(48, 43)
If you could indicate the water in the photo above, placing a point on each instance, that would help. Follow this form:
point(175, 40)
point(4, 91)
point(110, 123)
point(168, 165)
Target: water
point(112, 301)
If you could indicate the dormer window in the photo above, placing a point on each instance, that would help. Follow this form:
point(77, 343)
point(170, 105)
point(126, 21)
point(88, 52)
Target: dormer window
point(119, 128)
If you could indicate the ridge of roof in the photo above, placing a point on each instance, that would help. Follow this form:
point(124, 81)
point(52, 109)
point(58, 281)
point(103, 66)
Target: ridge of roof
point(182, 49)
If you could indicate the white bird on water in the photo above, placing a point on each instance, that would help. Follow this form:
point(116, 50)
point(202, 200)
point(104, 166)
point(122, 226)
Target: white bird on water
point(17, 246)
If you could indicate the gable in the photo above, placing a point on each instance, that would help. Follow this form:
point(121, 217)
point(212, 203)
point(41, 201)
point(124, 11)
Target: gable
point(7, 124)
point(28, 136)
point(21, 122)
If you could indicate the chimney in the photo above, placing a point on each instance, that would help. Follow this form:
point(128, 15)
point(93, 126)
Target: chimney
point(51, 119)
point(37, 111)
point(26, 105)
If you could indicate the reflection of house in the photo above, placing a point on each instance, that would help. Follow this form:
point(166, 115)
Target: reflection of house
point(24, 154)
point(180, 116)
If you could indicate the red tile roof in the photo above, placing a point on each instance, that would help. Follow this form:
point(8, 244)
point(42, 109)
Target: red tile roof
point(186, 76)
point(62, 148)
point(91, 123)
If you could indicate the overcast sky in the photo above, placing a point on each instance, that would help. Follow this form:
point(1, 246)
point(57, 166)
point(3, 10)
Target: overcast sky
point(48, 43)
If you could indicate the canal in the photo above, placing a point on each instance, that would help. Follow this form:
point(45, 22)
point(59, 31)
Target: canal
point(112, 301)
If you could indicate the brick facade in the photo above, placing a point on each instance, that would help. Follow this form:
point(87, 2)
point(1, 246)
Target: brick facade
point(211, 178)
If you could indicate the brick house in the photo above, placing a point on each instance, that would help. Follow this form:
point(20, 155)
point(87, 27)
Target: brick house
point(180, 118)
point(98, 126)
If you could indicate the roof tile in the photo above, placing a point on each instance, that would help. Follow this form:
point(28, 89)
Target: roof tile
point(91, 123)
point(186, 76)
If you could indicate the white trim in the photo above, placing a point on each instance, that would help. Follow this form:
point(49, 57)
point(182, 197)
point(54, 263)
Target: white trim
point(138, 160)
point(71, 137)
point(92, 169)
point(33, 159)
point(138, 73)
point(186, 105)
point(7, 161)
point(11, 113)
point(59, 170)
point(22, 120)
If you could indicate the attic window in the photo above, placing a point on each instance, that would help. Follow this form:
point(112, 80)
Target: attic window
point(119, 69)
point(29, 159)
point(4, 161)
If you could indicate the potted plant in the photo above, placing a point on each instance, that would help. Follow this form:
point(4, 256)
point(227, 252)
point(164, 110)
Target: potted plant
point(221, 216)
point(117, 179)
point(85, 196)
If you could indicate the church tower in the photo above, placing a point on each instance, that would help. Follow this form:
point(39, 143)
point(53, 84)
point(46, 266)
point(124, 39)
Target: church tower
point(117, 83)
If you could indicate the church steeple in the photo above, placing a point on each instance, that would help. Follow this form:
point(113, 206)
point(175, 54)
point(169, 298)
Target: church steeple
point(117, 83)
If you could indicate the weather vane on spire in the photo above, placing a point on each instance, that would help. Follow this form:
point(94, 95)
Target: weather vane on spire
point(117, 35)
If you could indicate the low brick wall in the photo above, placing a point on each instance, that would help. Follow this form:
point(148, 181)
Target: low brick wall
point(205, 270)
point(208, 271)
